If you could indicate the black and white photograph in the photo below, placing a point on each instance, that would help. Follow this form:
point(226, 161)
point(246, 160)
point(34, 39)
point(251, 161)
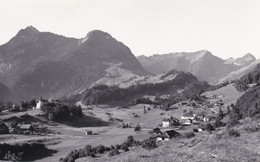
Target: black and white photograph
point(130, 80)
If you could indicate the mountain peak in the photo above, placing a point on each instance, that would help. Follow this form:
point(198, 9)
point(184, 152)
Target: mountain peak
point(28, 31)
point(98, 34)
point(249, 56)
point(245, 60)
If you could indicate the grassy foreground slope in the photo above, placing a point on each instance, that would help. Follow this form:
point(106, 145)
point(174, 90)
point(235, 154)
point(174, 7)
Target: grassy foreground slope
point(219, 146)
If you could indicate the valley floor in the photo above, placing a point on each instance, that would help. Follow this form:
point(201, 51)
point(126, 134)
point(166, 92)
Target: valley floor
point(205, 146)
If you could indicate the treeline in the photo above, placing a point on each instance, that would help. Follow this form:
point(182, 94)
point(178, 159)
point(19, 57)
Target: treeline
point(193, 90)
point(24, 105)
point(112, 150)
point(249, 103)
point(103, 94)
point(252, 77)
point(21, 152)
point(218, 86)
point(61, 111)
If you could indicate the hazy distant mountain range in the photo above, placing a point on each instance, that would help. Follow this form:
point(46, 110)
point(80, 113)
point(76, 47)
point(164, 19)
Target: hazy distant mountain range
point(202, 64)
point(38, 64)
point(241, 61)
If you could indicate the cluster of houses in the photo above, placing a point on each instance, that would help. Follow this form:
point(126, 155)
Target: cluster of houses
point(210, 96)
point(16, 127)
point(125, 125)
point(189, 118)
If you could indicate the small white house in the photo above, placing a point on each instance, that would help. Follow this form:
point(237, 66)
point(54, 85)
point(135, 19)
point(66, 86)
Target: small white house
point(205, 119)
point(165, 123)
point(39, 104)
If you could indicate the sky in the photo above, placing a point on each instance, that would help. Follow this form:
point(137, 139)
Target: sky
point(227, 28)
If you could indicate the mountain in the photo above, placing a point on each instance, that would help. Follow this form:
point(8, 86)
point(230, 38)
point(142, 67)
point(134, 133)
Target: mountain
point(248, 80)
point(6, 94)
point(43, 64)
point(242, 61)
point(202, 64)
point(234, 75)
point(180, 84)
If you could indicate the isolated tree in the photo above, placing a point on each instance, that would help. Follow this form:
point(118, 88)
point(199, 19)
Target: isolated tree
point(234, 115)
point(25, 105)
point(33, 102)
point(220, 113)
point(138, 128)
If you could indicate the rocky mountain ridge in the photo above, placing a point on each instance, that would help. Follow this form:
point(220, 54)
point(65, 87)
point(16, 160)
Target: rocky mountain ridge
point(203, 64)
point(43, 64)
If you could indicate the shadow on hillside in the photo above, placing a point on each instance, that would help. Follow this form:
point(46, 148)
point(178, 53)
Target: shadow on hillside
point(42, 155)
point(25, 119)
point(86, 121)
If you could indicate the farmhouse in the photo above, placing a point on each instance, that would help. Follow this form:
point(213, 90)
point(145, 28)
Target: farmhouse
point(157, 131)
point(188, 116)
point(167, 135)
point(200, 116)
point(173, 107)
point(170, 122)
point(89, 132)
point(26, 127)
point(187, 122)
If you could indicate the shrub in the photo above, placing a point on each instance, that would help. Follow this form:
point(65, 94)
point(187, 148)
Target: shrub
point(149, 144)
point(188, 135)
point(138, 128)
point(23, 151)
point(195, 130)
point(113, 152)
point(251, 129)
point(100, 149)
point(233, 132)
point(125, 146)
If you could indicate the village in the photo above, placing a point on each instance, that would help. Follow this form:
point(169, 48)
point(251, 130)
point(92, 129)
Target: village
point(142, 121)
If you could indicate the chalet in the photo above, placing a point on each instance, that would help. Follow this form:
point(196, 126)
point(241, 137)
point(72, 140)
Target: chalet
point(188, 116)
point(170, 122)
point(205, 126)
point(40, 129)
point(157, 131)
point(173, 107)
point(3, 128)
point(200, 116)
point(184, 103)
point(25, 127)
point(89, 132)
point(167, 135)
point(187, 122)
